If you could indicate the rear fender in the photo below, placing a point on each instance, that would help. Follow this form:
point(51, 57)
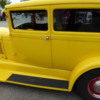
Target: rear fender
point(83, 67)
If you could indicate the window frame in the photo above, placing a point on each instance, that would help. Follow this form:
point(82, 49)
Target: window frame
point(24, 33)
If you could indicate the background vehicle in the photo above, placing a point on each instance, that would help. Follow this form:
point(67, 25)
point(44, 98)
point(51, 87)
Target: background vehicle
point(53, 45)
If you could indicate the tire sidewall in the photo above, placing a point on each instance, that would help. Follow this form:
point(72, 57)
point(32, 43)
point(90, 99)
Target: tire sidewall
point(82, 84)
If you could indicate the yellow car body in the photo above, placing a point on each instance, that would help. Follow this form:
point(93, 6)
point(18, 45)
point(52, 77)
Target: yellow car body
point(28, 58)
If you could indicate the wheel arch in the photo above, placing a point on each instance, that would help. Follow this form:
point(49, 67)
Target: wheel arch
point(82, 68)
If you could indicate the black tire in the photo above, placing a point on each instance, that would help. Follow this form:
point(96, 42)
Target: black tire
point(83, 85)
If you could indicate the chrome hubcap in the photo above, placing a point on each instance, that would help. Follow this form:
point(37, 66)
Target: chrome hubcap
point(96, 86)
point(93, 88)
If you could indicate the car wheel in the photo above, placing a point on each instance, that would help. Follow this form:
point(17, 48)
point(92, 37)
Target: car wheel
point(88, 85)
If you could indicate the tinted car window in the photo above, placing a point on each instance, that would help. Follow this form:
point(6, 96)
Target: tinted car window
point(79, 20)
point(36, 20)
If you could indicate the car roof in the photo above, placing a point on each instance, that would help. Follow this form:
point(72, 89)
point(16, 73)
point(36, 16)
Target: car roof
point(51, 2)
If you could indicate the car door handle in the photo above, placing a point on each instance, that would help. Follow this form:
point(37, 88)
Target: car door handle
point(46, 38)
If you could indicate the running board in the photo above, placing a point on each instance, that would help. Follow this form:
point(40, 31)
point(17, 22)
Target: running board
point(39, 81)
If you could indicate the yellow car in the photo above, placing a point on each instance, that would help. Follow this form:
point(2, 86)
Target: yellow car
point(53, 45)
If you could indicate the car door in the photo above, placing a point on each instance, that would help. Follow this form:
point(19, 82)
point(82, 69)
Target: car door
point(75, 34)
point(30, 35)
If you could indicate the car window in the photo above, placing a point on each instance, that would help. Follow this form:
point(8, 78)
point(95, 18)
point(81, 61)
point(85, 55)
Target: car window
point(36, 20)
point(79, 20)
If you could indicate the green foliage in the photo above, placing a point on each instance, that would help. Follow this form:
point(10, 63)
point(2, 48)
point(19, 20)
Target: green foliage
point(3, 3)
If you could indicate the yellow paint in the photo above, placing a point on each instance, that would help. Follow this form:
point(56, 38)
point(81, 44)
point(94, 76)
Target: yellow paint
point(51, 2)
point(66, 56)
point(82, 67)
point(30, 70)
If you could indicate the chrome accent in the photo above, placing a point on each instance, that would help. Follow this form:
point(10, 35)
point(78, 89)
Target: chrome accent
point(46, 38)
point(96, 96)
point(96, 86)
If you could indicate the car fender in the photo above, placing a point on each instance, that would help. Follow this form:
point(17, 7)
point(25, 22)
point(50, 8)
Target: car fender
point(82, 68)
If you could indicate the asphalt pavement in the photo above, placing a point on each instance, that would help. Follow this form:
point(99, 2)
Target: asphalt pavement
point(18, 92)
point(3, 24)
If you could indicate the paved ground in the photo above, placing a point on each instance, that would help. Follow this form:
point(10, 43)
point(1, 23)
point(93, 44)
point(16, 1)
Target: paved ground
point(3, 23)
point(16, 92)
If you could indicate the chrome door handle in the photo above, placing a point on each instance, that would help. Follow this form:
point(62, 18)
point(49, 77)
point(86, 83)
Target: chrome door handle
point(46, 38)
